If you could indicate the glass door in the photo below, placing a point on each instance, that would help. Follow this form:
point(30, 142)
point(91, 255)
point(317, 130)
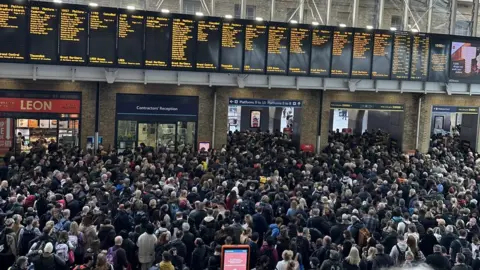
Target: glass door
point(185, 135)
point(166, 136)
point(147, 134)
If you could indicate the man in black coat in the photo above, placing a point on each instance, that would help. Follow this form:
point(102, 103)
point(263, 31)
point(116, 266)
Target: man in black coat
point(122, 221)
point(260, 224)
point(178, 244)
point(336, 232)
point(436, 260)
point(318, 222)
point(381, 260)
point(199, 255)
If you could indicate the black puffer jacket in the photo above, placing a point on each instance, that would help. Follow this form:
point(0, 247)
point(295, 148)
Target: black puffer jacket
point(48, 261)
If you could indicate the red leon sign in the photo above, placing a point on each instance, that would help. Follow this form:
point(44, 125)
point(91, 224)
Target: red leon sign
point(6, 135)
point(39, 105)
point(306, 147)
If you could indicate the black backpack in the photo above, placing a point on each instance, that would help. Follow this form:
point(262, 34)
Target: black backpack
point(401, 255)
point(271, 260)
point(27, 237)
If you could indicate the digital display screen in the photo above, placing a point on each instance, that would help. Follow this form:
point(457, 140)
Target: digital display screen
point(439, 59)
point(157, 40)
point(73, 34)
point(183, 42)
point(43, 33)
point(341, 53)
point(209, 36)
point(256, 38)
point(420, 54)
point(130, 38)
point(233, 40)
point(362, 54)
point(401, 56)
point(300, 45)
point(382, 54)
point(235, 259)
point(464, 63)
point(103, 37)
point(277, 50)
point(13, 32)
point(321, 52)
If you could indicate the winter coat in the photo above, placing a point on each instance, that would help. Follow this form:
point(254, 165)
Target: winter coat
point(146, 247)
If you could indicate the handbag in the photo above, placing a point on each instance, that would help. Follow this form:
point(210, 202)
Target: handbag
point(71, 257)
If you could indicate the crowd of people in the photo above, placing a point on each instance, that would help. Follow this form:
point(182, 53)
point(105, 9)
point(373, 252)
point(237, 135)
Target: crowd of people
point(359, 204)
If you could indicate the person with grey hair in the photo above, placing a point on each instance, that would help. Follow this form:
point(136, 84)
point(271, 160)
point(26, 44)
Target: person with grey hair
point(381, 260)
point(437, 260)
point(188, 239)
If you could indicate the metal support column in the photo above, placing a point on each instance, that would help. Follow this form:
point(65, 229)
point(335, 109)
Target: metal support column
point(272, 10)
point(329, 9)
point(453, 16)
point(475, 18)
point(214, 116)
point(405, 14)
point(355, 13)
point(180, 6)
point(429, 16)
point(381, 5)
point(243, 9)
point(212, 7)
point(301, 6)
point(97, 117)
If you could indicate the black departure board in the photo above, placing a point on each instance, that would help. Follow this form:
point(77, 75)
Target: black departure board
point(157, 40)
point(183, 42)
point(130, 38)
point(420, 54)
point(439, 58)
point(103, 37)
point(300, 45)
point(401, 56)
point(233, 40)
point(73, 34)
point(43, 33)
point(341, 53)
point(321, 51)
point(13, 32)
point(209, 36)
point(362, 54)
point(382, 54)
point(277, 48)
point(256, 38)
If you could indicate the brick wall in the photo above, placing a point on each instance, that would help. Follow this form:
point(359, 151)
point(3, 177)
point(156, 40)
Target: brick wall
point(310, 109)
point(410, 101)
point(88, 98)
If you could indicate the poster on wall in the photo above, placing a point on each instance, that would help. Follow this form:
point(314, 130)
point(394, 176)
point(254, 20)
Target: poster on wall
point(22, 123)
point(255, 119)
point(53, 123)
point(32, 123)
point(6, 135)
point(44, 123)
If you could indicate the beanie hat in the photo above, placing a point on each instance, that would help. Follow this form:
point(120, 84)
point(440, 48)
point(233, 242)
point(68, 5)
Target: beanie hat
point(48, 248)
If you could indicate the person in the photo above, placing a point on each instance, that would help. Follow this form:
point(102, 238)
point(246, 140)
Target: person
point(8, 245)
point(352, 261)
point(381, 260)
point(102, 263)
point(146, 247)
point(437, 260)
point(166, 263)
point(198, 255)
point(268, 250)
point(288, 258)
point(460, 263)
point(46, 259)
point(116, 255)
point(398, 251)
point(333, 262)
point(214, 262)
point(20, 264)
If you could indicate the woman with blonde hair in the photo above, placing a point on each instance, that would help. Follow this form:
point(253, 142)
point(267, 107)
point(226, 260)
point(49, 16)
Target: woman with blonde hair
point(368, 258)
point(248, 222)
point(352, 261)
point(288, 262)
point(245, 236)
point(102, 263)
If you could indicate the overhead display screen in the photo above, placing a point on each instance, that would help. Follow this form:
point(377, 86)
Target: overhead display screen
point(209, 35)
point(103, 37)
point(130, 38)
point(382, 54)
point(157, 40)
point(341, 53)
point(233, 40)
point(183, 43)
point(277, 50)
point(321, 51)
point(13, 32)
point(362, 54)
point(420, 54)
point(300, 45)
point(73, 34)
point(464, 63)
point(255, 48)
point(439, 59)
point(43, 33)
point(401, 56)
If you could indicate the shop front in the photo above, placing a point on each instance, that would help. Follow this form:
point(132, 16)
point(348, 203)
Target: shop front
point(30, 117)
point(158, 121)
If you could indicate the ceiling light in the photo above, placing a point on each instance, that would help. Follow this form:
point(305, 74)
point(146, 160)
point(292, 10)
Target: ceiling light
point(293, 21)
point(258, 19)
point(315, 23)
point(369, 27)
point(393, 29)
point(414, 30)
point(165, 10)
point(131, 7)
point(199, 13)
point(228, 16)
point(93, 4)
point(342, 25)
point(57, 1)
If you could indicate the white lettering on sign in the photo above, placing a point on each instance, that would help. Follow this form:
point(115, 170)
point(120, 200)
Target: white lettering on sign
point(30, 105)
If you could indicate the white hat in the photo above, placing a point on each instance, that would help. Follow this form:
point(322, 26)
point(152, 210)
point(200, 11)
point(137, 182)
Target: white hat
point(48, 248)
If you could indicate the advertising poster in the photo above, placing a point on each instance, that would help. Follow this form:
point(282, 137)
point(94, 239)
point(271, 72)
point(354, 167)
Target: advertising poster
point(6, 135)
point(255, 119)
point(235, 259)
point(465, 61)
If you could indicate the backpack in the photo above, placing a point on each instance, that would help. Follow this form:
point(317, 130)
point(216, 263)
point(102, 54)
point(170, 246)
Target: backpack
point(271, 260)
point(62, 251)
point(363, 235)
point(111, 256)
point(401, 255)
point(27, 237)
point(465, 250)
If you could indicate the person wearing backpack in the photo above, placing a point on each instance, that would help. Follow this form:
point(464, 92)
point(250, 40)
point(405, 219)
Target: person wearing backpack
point(398, 251)
point(333, 262)
point(460, 245)
point(117, 256)
point(359, 231)
point(26, 235)
point(268, 249)
point(8, 245)
point(45, 259)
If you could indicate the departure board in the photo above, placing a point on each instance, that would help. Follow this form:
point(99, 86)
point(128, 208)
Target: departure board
point(103, 37)
point(321, 51)
point(439, 58)
point(341, 53)
point(13, 32)
point(382, 54)
point(209, 35)
point(277, 49)
point(401, 56)
point(130, 38)
point(233, 40)
point(73, 34)
point(299, 57)
point(183, 43)
point(420, 54)
point(362, 54)
point(256, 35)
point(43, 33)
point(157, 40)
